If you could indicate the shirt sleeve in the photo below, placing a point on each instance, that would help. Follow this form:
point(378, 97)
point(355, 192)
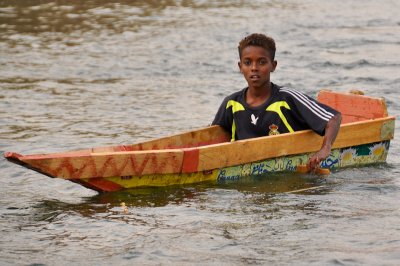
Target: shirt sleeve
point(224, 117)
point(315, 114)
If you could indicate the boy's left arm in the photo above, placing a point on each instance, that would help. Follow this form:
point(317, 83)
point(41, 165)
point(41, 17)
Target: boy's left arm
point(331, 131)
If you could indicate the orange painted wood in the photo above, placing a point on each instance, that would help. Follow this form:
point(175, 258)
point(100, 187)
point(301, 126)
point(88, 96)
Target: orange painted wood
point(190, 160)
point(354, 107)
point(200, 137)
point(108, 164)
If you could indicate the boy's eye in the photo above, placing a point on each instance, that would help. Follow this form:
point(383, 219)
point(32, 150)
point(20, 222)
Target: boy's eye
point(247, 62)
point(262, 62)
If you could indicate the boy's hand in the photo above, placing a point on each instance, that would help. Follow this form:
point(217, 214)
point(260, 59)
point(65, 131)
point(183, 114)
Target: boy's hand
point(317, 158)
point(331, 131)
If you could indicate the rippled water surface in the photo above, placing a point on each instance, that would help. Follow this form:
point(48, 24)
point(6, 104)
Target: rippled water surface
point(80, 74)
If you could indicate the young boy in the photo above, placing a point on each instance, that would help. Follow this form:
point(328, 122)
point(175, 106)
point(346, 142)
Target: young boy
point(264, 108)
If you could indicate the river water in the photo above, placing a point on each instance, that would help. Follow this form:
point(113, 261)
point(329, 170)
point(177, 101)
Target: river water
point(80, 74)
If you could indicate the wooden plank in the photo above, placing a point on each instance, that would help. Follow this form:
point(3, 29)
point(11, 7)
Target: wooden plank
point(354, 107)
point(200, 137)
point(156, 180)
point(196, 138)
point(239, 152)
point(108, 164)
point(203, 136)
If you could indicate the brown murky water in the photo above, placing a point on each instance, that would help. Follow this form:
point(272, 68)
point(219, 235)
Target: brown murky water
point(78, 74)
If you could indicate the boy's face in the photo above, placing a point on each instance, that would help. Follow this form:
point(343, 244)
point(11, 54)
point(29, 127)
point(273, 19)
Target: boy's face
point(256, 66)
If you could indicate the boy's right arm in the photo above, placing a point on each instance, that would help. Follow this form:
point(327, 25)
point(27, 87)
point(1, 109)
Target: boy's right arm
point(331, 131)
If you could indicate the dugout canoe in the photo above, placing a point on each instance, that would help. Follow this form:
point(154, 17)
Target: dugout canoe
point(207, 153)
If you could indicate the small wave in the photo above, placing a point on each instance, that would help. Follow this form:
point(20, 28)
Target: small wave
point(352, 65)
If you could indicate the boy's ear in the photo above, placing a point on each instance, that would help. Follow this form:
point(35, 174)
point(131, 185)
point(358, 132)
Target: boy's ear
point(240, 66)
point(274, 64)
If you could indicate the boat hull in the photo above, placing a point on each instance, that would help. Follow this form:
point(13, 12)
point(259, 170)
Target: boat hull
point(354, 156)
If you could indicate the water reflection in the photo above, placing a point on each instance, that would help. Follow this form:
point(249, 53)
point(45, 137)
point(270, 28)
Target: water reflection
point(275, 183)
point(256, 191)
point(150, 197)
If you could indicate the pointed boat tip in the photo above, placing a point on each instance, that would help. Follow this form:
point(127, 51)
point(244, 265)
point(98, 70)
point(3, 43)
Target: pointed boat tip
point(12, 155)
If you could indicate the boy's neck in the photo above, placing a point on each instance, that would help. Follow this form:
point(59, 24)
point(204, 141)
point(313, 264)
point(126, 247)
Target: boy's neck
point(255, 96)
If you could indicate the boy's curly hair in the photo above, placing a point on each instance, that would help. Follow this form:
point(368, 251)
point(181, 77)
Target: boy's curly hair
point(258, 39)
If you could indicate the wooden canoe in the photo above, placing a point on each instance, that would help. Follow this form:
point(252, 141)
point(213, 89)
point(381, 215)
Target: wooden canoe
point(208, 154)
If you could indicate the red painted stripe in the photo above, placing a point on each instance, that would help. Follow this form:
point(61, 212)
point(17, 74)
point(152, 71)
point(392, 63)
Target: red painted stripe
point(190, 160)
point(101, 184)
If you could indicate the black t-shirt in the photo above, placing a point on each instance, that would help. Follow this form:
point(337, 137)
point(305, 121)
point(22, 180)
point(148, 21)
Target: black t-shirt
point(287, 110)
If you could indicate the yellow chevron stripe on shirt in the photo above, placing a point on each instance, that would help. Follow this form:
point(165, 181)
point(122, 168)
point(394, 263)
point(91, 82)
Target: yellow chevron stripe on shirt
point(276, 107)
point(236, 106)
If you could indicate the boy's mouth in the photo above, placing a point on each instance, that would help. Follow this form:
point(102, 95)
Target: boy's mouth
point(254, 77)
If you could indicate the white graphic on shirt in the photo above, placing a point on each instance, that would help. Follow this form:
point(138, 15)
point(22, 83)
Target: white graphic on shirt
point(253, 119)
